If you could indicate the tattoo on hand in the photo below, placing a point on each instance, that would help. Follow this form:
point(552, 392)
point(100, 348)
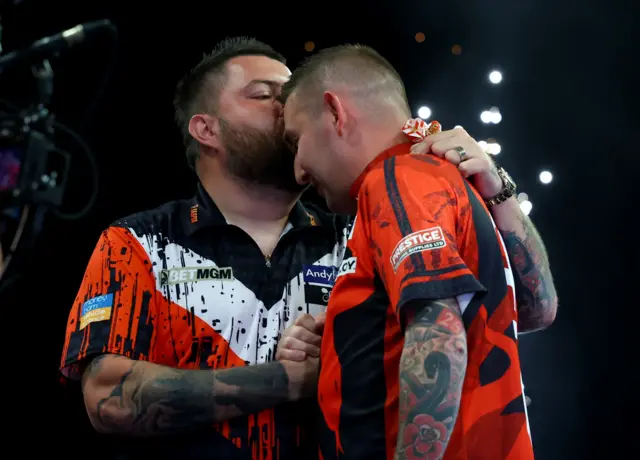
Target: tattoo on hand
point(155, 400)
point(432, 371)
point(535, 292)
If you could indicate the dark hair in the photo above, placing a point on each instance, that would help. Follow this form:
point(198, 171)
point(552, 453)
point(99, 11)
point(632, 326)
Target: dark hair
point(360, 68)
point(199, 90)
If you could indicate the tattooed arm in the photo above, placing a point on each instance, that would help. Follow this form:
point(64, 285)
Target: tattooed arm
point(432, 368)
point(535, 292)
point(139, 398)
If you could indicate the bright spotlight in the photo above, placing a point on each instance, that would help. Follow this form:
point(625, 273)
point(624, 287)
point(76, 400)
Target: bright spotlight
point(458, 127)
point(424, 112)
point(486, 116)
point(493, 148)
point(495, 77)
point(483, 144)
point(496, 117)
point(522, 197)
point(492, 115)
point(526, 207)
point(546, 177)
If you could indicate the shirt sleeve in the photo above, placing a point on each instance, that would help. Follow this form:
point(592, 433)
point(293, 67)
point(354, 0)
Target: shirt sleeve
point(114, 309)
point(413, 221)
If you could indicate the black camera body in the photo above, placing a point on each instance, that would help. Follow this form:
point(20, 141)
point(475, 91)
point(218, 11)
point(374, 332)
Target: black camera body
point(32, 170)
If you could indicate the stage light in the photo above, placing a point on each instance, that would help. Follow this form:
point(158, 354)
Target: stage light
point(522, 197)
point(496, 117)
point(424, 112)
point(495, 77)
point(419, 37)
point(458, 127)
point(309, 46)
point(526, 207)
point(493, 148)
point(456, 50)
point(483, 144)
point(546, 177)
point(492, 115)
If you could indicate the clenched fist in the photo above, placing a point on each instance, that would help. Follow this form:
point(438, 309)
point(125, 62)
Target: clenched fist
point(302, 339)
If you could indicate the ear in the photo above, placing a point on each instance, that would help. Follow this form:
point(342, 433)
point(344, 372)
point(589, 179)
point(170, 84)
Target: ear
point(205, 129)
point(336, 109)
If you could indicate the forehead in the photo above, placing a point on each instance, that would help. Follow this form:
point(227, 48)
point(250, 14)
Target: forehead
point(245, 70)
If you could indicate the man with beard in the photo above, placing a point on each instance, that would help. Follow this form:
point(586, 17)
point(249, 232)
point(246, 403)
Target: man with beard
point(175, 326)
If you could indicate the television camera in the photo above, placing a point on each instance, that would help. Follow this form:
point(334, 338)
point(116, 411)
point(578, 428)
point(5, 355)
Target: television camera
point(33, 168)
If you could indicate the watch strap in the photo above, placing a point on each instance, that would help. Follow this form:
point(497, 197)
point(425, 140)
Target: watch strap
point(508, 190)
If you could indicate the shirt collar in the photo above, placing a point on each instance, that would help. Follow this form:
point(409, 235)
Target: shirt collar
point(399, 149)
point(202, 212)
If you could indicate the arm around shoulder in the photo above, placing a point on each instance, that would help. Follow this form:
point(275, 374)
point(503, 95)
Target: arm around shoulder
point(536, 295)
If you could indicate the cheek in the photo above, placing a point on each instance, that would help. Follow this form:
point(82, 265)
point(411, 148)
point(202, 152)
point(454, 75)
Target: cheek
point(258, 116)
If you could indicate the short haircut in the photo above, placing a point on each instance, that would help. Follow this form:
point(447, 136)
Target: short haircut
point(199, 90)
point(358, 69)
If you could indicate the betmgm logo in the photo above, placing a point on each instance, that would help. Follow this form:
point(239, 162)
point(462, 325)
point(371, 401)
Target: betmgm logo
point(194, 274)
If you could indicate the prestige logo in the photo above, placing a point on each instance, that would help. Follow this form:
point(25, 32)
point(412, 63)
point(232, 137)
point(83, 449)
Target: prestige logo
point(194, 274)
point(424, 240)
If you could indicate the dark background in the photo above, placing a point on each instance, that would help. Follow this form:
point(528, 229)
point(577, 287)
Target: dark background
point(567, 106)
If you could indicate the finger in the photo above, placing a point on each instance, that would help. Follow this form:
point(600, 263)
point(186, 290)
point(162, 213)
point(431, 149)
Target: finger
point(452, 156)
point(321, 319)
point(441, 147)
point(306, 321)
point(448, 134)
point(451, 133)
point(290, 355)
point(291, 343)
point(473, 166)
point(424, 146)
point(305, 335)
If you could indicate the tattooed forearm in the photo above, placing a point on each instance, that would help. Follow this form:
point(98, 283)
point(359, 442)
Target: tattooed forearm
point(432, 368)
point(535, 292)
point(139, 398)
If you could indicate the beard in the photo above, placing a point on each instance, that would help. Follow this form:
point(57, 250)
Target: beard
point(259, 157)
